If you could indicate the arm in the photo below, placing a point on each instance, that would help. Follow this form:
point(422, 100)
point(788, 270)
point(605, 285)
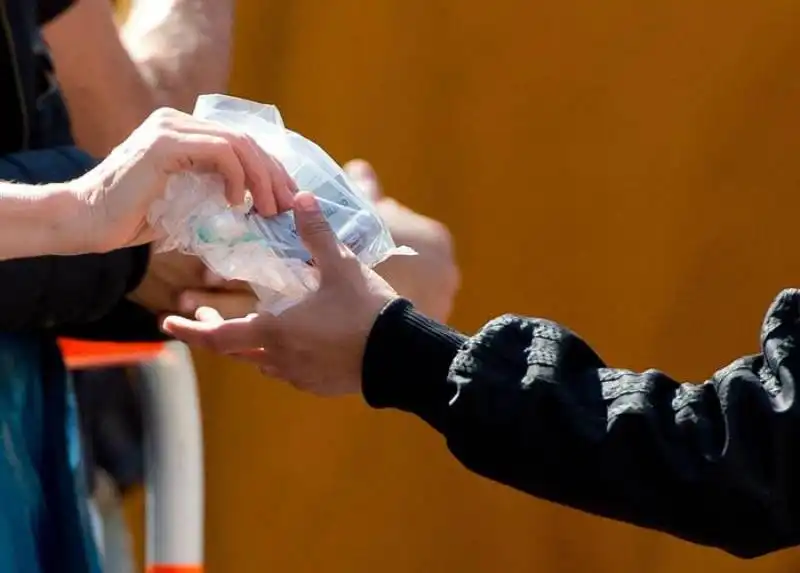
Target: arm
point(38, 220)
point(39, 215)
point(76, 295)
point(527, 403)
point(118, 193)
point(167, 53)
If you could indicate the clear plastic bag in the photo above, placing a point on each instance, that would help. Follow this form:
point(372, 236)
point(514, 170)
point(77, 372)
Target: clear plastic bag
point(237, 243)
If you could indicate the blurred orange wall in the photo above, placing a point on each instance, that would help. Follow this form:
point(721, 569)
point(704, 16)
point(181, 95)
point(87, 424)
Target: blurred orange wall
point(628, 168)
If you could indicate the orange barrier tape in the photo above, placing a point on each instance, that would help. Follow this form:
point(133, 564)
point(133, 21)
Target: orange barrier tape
point(80, 354)
point(175, 569)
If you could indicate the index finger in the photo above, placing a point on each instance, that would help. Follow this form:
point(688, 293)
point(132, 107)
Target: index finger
point(270, 185)
point(225, 337)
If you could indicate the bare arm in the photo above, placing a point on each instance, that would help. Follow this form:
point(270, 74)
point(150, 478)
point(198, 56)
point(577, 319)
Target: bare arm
point(167, 53)
point(38, 220)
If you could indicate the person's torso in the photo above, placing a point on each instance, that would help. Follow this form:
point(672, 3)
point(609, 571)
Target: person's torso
point(43, 516)
point(34, 115)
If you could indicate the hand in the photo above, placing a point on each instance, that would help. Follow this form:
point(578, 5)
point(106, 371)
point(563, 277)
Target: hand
point(317, 345)
point(177, 283)
point(431, 279)
point(119, 191)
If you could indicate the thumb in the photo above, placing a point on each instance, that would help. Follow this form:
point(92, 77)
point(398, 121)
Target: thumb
point(314, 230)
point(222, 336)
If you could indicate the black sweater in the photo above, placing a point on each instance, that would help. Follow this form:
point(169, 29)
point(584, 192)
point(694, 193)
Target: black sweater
point(529, 404)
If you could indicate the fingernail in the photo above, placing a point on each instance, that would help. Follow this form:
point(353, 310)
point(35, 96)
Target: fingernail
point(164, 324)
point(306, 201)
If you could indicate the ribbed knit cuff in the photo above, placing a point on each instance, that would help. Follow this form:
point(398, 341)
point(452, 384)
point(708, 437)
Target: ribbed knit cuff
point(407, 360)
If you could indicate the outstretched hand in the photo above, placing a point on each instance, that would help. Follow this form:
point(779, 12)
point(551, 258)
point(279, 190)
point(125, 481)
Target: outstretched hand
point(317, 345)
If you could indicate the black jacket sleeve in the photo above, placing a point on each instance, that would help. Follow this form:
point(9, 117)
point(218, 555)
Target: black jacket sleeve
point(527, 403)
point(48, 10)
point(81, 296)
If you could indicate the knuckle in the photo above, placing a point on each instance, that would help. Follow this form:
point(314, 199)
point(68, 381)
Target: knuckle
point(241, 138)
point(162, 140)
point(349, 256)
point(220, 145)
point(276, 163)
point(316, 226)
point(162, 116)
point(351, 265)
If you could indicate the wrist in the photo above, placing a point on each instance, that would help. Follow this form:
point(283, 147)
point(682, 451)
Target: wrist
point(73, 227)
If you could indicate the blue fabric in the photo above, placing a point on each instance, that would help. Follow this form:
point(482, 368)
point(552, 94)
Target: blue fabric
point(44, 522)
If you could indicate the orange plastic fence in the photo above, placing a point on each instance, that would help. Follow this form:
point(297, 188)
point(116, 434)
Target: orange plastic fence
point(175, 569)
point(80, 354)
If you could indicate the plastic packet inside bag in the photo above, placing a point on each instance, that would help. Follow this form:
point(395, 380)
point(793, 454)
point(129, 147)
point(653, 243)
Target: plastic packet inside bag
point(237, 243)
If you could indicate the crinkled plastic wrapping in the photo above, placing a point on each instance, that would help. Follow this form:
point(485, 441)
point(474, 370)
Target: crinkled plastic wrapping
point(237, 243)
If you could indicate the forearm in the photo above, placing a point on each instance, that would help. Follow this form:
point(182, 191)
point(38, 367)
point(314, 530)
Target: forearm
point(166, 54)
point(38, 220)
point(529, 404)
point(50, 292)
point(181, 47)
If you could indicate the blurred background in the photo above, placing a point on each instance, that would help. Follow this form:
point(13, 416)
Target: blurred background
point(626, 168)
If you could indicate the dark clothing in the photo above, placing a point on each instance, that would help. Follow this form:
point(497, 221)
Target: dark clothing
point(75, 296)
point(44, 525)
point(111, 419)
point(529, 404)
point(24, 71)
